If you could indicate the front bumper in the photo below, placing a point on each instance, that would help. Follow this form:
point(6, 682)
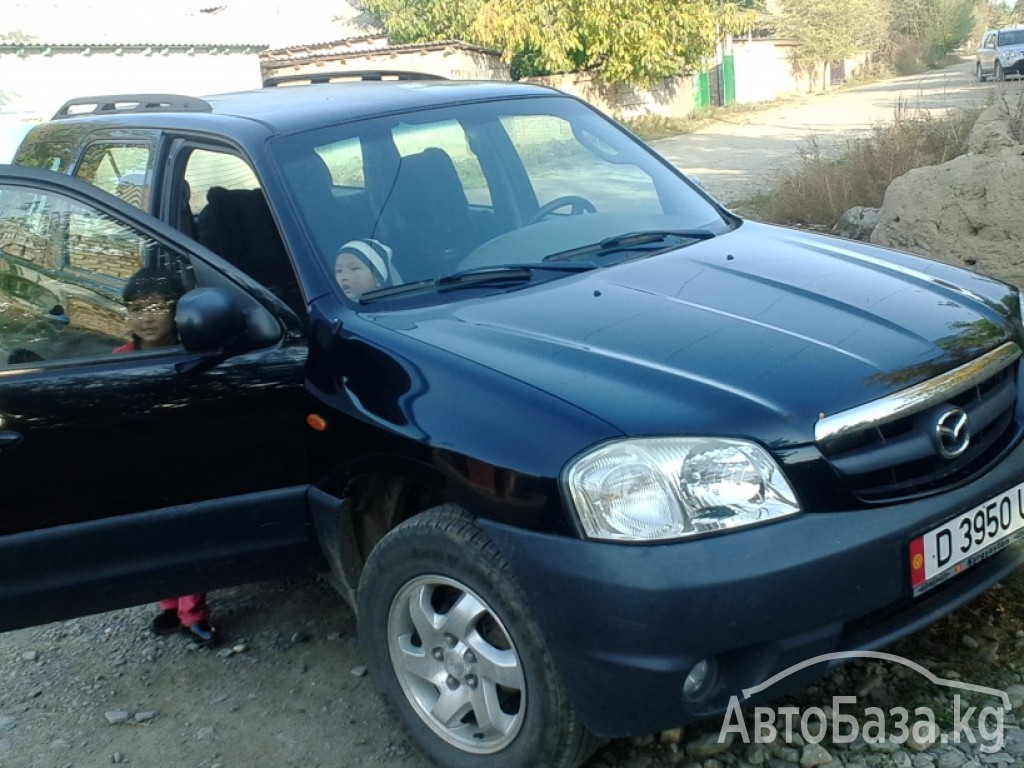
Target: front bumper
point(1013, 67)
point(626, 624)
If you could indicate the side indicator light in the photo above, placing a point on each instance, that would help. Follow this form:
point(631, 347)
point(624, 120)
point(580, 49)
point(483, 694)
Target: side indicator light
point(316, 422)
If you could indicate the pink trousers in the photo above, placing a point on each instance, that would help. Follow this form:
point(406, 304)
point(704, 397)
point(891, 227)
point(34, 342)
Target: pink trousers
point(190, 608)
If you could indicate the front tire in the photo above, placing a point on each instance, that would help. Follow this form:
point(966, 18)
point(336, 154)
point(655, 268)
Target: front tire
point(456, 654)
point(980, 73)
point(998, 73)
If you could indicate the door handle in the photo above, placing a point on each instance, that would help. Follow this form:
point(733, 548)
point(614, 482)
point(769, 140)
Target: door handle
point(10, 437)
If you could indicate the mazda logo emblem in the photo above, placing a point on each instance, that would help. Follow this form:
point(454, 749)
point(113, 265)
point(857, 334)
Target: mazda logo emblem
point(952, 433)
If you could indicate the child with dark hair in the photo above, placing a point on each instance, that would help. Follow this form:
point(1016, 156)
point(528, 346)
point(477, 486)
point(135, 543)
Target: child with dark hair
point(150, 297)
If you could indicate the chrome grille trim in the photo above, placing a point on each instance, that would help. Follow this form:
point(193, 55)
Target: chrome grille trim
point(917, 398)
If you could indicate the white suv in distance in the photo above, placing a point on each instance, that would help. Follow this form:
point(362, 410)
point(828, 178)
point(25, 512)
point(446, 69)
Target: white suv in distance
point(1001, 53)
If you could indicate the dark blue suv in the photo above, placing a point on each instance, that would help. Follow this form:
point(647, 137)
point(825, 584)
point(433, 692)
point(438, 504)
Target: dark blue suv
point(588, 453)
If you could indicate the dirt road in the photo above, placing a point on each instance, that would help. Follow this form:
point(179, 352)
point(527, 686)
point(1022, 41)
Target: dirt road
point(739, 155)
point(289, 688)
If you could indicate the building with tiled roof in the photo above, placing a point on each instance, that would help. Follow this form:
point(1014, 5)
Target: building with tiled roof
point(452, 59)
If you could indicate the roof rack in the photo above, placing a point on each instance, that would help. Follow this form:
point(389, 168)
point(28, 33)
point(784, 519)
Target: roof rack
point(131, 102)
point(342, 76)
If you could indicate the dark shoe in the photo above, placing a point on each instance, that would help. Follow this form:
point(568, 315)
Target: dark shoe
point(202, 633)
point(165, 622)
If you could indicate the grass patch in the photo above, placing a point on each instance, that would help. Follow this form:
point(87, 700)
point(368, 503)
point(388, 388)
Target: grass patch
point(824, 185)
point(653, 127)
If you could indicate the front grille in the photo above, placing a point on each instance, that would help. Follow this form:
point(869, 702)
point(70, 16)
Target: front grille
point(892, 448)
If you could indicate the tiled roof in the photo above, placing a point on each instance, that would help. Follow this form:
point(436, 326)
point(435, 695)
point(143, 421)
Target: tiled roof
point(362, 45)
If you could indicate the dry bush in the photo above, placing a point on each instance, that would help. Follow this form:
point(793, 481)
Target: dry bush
point(1012, 108)
point(825, 184)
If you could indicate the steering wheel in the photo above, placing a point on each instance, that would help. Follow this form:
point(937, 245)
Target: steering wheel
point(577, 205)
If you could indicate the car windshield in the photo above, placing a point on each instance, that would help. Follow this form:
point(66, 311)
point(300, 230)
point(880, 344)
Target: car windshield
point(1011, 37)
point(413, 199)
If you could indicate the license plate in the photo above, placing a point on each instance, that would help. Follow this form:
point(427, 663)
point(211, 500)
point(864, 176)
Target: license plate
point(967, 539)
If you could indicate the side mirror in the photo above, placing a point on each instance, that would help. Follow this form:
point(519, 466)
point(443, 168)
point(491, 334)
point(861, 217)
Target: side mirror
point(210, 319)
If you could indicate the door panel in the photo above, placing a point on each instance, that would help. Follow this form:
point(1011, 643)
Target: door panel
point(86, 434)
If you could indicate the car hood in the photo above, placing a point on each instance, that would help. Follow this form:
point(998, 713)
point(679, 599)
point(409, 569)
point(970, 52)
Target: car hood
point(757, 332)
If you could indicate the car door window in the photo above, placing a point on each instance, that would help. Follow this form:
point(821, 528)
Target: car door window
point(63, 268)
point(232, 218)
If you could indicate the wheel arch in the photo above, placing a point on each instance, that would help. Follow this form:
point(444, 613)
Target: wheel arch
point(360, 502)
point(355, 507)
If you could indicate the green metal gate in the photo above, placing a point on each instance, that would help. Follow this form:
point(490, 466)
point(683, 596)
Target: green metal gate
point(702, 96)
point(728, 80)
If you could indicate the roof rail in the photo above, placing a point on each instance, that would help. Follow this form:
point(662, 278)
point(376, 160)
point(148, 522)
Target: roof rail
point(131, 102)
point(348, 76)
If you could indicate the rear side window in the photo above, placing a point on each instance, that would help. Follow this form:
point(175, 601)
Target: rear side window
point(121, 169)
point(344, 161)
point(48, 155)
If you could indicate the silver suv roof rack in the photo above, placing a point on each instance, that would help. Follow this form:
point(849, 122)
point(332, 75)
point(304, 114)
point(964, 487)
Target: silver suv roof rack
point(131, 102)
point(348, 76)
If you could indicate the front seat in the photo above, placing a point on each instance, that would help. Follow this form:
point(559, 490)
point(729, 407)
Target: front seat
point(425, 218)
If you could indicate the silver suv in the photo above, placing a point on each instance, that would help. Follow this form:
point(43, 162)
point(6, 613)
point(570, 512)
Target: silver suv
point(1001, 53)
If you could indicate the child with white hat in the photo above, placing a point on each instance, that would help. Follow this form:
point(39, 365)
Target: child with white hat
point(361, 266)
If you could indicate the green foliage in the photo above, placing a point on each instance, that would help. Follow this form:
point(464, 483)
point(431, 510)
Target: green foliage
point(1004, 15)
point(417, 21)
point(941, 26)
point(632, 41)
point(829, 31)
point(908, 36)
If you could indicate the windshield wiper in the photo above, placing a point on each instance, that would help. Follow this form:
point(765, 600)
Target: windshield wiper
point(661, 239)
point(514, 273)
point(510, 274)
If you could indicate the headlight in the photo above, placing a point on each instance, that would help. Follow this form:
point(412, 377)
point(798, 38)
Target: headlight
point(666, 488)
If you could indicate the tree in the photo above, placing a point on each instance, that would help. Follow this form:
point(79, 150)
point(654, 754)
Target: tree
point(634, 41)
point(828, 31)
point(1007, 16)
point(420, 21)
point(940, 25)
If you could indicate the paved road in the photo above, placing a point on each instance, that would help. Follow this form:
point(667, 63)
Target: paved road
point(738, 156)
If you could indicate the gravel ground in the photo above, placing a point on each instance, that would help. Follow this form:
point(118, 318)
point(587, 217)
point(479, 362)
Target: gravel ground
point(288, 689)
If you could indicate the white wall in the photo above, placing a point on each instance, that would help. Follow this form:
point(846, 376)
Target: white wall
point(672, 98)
point(38, 83)
point(765, 70)
point(13, 127)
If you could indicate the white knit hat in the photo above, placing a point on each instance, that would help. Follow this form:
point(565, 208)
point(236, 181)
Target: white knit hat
point(373, 254)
